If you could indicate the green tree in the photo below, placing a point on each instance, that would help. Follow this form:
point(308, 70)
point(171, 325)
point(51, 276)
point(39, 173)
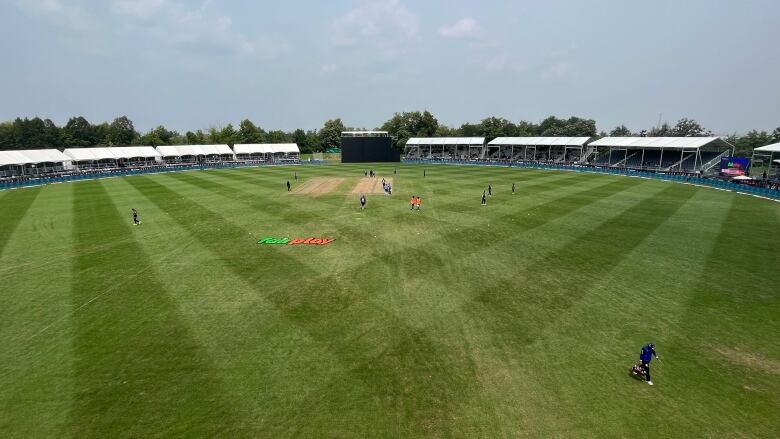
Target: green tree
point(121, 131)
point(552, 126)
point(689, 128)
point(249, 133)
point(493, 127)
point(662, 131)
point(159, 136)
point(747, 143)
point(228, 134)
point(621, 131)
point(404, 125)
point(330, 134)
point(526, 129)
point(776, 135)
point(51, 134)
point(196, 138)
point(102, 133)
point(279, 136)
point(445, 131)
point(7, 140)
point(78, 132)
point(313, 142)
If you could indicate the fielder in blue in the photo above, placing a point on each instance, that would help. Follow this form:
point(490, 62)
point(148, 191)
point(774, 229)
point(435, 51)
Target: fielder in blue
point(646, 356)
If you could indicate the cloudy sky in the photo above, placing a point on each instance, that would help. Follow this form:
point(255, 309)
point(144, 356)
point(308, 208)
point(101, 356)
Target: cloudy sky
point(192, 64)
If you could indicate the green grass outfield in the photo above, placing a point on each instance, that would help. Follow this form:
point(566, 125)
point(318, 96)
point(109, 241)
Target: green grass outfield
point(516, 319)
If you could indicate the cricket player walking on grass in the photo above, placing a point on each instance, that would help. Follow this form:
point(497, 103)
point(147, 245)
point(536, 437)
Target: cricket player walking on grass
point(646, 356)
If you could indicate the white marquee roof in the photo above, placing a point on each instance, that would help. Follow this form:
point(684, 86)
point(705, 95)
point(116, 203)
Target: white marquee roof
point(661, 142)
point(539, 141)
point(114, 152)
point(182, 150)
point(775, 147)
point(265, 148)
point(31, 156)
point(472, 141)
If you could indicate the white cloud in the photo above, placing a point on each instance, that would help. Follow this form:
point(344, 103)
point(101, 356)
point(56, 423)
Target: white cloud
point(193, 30)
point(328, 68)
point(497, 63)
point(45, 6)
point(71, 15)
point(463, 28)
point(137, 8)
point(386, 26)
point(558, 70)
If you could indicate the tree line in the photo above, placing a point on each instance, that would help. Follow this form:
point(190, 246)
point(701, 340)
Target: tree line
point(79, 132)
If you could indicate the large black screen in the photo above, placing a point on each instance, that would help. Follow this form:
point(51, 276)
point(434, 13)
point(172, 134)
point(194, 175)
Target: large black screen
point(368, 149)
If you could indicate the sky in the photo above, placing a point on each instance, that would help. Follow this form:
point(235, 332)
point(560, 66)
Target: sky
point(194, 64)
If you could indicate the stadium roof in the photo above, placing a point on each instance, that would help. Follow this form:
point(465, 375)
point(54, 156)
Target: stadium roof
point(661, 142)
point(30, 156)
point(475, 141)
point(115, 152)
point(182, 150)
point(265, 148)
point(775, 147)
point(539, 141)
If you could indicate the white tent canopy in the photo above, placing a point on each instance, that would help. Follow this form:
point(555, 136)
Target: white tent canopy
point(661, 142)
point(112, 153)
point(539, 141)
point(441, 141)
point(266, 148)
point(32, 156)
point(285, 148)
point(253, 148)
point(775, 147)
point(193, 150)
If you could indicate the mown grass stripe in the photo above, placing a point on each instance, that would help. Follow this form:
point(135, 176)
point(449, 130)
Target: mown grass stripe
point(377, 350)
point(13, 208)
point(137, 367)
point(510, 305)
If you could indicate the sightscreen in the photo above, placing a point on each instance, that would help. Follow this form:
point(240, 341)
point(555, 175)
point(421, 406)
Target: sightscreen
point(368, 149)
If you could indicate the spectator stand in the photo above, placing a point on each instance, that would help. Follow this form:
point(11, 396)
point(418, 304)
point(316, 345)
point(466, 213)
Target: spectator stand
point(549, 149)
point(85, 159)
point(764, 161)
point(195, 154)
point(267, 152)
point(445, 148)
point(662, 154)
point(32, 163)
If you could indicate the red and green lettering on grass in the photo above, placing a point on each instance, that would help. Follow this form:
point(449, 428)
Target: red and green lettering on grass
point(288, 241)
